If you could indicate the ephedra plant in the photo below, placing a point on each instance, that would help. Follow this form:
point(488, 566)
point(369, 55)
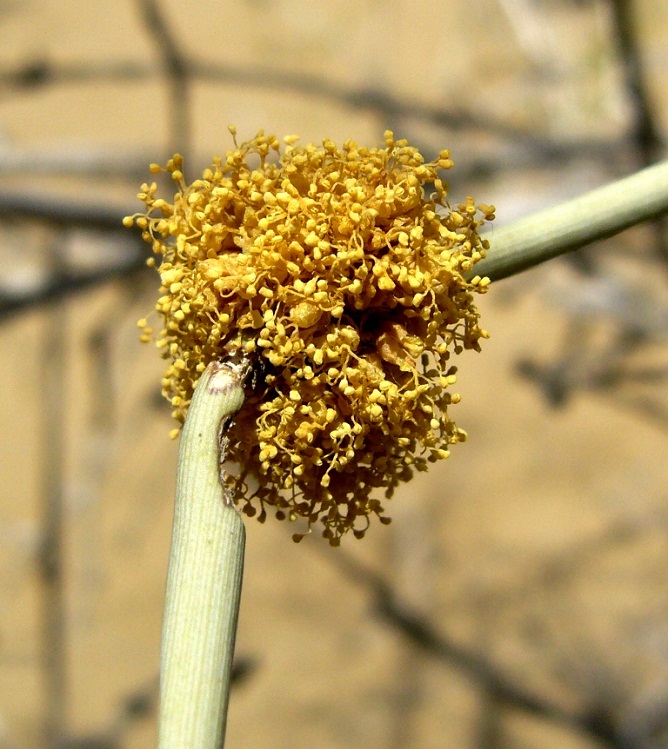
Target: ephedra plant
point(312, 302)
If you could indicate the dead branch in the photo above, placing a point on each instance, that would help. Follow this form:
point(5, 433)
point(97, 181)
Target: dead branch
point(177, 71)
point(595, 723)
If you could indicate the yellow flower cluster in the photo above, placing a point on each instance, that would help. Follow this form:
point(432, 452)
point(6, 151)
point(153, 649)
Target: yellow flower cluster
point(344, 284)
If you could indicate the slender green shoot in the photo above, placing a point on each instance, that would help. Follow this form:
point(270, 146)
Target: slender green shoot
point(569, 226)
point(205, 572)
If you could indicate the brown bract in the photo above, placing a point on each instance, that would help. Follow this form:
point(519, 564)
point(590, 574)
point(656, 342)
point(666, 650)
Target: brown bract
point(331, 269)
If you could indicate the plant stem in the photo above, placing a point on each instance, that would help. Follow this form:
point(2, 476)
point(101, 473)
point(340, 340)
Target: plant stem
point(205, 572)
point(566, 227)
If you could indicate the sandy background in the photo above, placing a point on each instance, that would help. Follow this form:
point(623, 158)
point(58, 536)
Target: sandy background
point(538, 554)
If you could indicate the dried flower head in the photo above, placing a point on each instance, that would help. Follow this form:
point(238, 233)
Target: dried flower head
point(331, 269)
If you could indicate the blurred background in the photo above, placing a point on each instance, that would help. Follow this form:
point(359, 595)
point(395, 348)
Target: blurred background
point(520, 597)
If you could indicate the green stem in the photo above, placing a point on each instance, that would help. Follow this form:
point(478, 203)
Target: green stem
point(205, 572)
point(566, 227)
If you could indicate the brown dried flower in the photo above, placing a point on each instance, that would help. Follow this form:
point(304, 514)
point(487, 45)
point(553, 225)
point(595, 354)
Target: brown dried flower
point(346, 285)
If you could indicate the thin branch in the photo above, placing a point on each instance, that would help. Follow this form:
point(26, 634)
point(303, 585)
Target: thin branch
point(424, 635)
point(646, 132)
point(63, 211)
point(39, 73)
point(176, 68)
point(67, 212)
point(569, 226)
point(58, 287)
point(53, 392)
point(74, 159)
